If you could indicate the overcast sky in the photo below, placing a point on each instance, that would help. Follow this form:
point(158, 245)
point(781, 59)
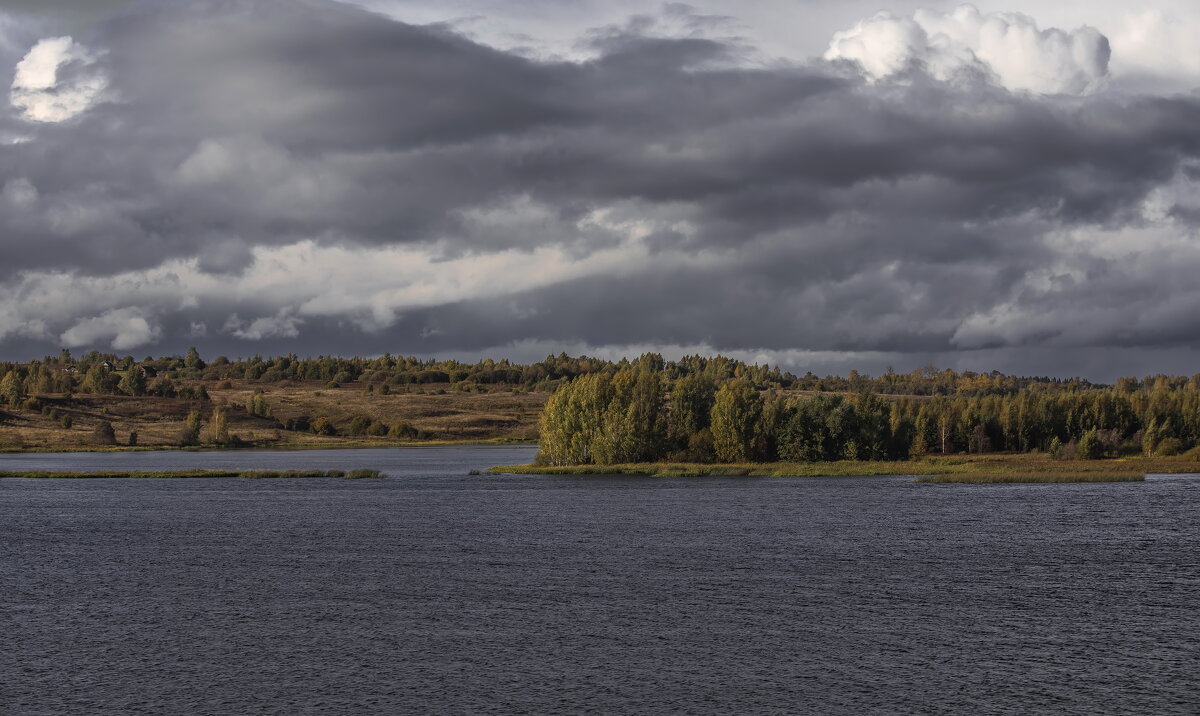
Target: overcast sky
point(822, 185)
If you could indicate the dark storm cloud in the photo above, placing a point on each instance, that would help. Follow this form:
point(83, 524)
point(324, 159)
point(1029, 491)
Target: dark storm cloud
point(824, 212)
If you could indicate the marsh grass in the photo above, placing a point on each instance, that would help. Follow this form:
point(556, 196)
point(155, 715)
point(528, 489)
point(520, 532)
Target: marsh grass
point(246, 474)
point(991, 468)
point(771, 469)
point(363, 474)
point(1024, 478)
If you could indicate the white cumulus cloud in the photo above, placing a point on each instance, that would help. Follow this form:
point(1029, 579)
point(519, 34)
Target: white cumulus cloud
point(56, 80)
point(1008, 48)
point(124, 328)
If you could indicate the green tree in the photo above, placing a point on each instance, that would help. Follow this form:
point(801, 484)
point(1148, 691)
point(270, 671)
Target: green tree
point(633, 426)
point(190, 434)
point(803, 437)
point(12, 388)
point(690, 408)
point(99, 379)
point(1089, 446)
point(133, 382)
point(257, 405)
point(572, 418)
point(192, 360)
point(735, 417)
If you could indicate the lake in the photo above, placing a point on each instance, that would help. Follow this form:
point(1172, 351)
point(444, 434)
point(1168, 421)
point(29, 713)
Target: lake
point(436, 591)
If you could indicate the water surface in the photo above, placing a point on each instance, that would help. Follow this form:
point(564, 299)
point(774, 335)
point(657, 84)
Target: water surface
point(434, 591)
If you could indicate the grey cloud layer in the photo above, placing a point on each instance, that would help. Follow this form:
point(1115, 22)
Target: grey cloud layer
point(795, 207)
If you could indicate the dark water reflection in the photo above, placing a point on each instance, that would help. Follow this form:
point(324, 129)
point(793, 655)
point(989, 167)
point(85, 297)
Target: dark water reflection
point(438, 592)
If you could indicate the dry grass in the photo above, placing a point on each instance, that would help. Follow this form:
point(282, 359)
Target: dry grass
point(450, 417)
point(964, 468)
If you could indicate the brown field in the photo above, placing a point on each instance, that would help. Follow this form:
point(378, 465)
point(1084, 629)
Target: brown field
point(452, 416)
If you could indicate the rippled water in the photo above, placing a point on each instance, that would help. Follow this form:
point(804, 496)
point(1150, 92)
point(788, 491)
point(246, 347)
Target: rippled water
point(434, 591)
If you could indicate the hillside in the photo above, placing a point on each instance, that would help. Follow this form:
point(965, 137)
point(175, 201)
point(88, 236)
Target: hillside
point(426, 413)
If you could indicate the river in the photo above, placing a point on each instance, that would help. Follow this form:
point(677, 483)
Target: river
point(437, 591)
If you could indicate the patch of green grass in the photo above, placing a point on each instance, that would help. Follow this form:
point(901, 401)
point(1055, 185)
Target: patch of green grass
point(993, 478)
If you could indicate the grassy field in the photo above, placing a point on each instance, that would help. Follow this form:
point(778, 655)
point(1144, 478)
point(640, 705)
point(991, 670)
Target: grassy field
point(955, 469)
point(440, 414)
point(249, 474)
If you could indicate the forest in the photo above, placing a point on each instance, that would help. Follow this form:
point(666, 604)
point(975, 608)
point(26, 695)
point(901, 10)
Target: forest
point(639, 414)
point(106, 373)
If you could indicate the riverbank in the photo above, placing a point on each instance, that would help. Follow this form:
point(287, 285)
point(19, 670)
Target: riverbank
point(247, 474)
point(962, 469)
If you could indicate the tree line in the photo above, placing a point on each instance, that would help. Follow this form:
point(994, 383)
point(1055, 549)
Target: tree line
point(645, 415)
point(183, 375)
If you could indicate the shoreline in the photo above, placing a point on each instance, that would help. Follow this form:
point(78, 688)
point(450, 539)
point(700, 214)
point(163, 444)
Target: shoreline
point(359, 474)
point(951, 470)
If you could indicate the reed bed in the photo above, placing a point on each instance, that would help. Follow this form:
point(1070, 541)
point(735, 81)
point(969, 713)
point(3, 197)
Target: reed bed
point(989, 468)
point(996, 478)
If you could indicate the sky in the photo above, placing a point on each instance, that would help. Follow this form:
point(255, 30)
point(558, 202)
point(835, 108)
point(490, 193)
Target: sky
point(813, 184)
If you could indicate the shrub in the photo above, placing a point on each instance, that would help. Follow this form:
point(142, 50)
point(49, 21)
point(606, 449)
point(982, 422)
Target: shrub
point(190, 433)
point(66, 422)
point(322, 426)
point(300, 423)
point(162, 386)
point(359, 425)
point(103, 434)
point(1089, 446)
point(1168, 447)
point(402, 431)
point(133, 438)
